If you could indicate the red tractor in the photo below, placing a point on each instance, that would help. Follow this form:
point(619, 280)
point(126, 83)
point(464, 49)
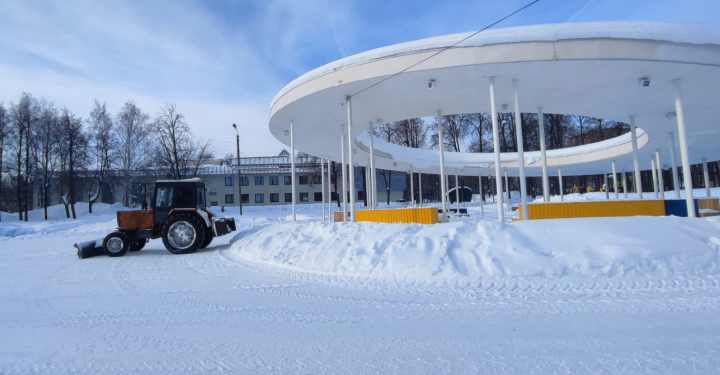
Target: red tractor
point(177, 214)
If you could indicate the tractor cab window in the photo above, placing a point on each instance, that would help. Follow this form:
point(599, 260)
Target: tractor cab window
point(201, 197)
point(184, 197)
point(164, 197)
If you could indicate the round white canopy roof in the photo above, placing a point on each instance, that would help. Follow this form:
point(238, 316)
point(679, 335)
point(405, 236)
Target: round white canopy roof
point(589, 69)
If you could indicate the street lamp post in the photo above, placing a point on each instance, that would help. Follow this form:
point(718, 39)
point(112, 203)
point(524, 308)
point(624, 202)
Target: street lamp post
point(239, 170)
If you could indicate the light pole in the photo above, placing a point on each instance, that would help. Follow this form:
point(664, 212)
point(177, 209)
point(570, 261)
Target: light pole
point(239, 170)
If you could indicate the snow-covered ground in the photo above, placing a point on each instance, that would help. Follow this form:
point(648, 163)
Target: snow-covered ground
point(605, 295)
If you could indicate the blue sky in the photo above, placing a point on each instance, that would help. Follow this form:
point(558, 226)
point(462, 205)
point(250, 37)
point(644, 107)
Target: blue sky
point(222, 62)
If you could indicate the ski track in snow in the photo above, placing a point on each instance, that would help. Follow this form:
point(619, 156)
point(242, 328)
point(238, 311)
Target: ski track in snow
point(214, 312)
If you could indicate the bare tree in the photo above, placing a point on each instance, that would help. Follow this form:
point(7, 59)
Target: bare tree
point(480, 125)
point(103, 149)
point(47, 140)
point(176, 153)
point(455, 129)
point(73, 155)
point(4, 132)
point(132, 138)
point(22, 116)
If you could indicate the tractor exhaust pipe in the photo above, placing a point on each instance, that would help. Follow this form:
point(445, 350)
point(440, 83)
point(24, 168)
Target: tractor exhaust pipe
point(89, 249)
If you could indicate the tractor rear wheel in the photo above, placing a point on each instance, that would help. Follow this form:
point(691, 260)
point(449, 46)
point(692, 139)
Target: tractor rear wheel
point(183, 234)
point(116, 244)
point(208, 238)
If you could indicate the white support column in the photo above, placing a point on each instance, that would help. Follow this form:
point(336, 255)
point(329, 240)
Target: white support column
point(606, 187)
point(624, 177)
point(706, 176)
point(372, 189)
point(615, 183)
point(684, 156)
point(638, 180)
point(507, 187)
point(351, 151)
point(496, 148)
point(367, 186)
point(412, 188)
point(457, 194)
point(482, 196)
point(560, 182)
point(661, 183)
point(444, 218)
point(292, 166)
point(420, 188)
point(329, 190)
point(654, 178)
point(521, 156)
point(322, 178)
point(673, 163)
point(344, 173)
point(543, 155)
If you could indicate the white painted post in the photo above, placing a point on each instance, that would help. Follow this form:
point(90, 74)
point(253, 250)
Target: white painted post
point(638, 181)
point(330, 217)
point(661, 183)
point(351, 151)
point(706, 175)
point(684, 157)
point(344, 174)
point(292, 165)
point(420, 187)
point(496, 148)
point(521, 157)
point(372, 189)
point(457, 194)
point(606, 187)
point(625, 186)
point(412, 188)
point(482, 196)
point(442, 167)
point(560, 181)
point(673, 163)
point(615, 184)
point(543, 155)
point(654, 178)
point(507, 187)
point(322, 177)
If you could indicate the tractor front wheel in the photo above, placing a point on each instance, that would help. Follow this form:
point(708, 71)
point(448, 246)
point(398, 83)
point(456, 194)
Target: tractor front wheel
point(116, 244)
point(183, 234)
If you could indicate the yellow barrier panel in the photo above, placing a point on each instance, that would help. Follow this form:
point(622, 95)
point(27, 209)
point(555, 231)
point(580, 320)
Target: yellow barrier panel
point(400, 215)
point(565, 210)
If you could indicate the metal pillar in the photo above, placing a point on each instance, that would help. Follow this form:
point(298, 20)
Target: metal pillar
point(624, 177)
point(322, 177)
point(684, 157)
point(372, 167)
point(606, 187)
point(330, 217)
point(420, 188)
point(482, 195)
point(615, 184)
point(638, 181)
point(706, 176)
point(344, 174)
point(444, 218)
point(673, 163)
point(292, 166)
point(351, 150)
point(560, 182)
point(654, 178)
point(543, 155)
point(661, 183)
point(507, 187)
point(412, 188)
point(496, 148)
point(521, 157)
point(457, 194)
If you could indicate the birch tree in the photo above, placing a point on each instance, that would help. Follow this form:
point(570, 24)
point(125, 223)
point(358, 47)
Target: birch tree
point(133, 143)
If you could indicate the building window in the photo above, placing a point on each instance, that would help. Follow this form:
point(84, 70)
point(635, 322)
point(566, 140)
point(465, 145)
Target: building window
point(303, 197)
point(288, 180)
point(317, 179)
point(318, 197)
point(212, 193)
point(303, 180)
point(228, 181)
point(288, 197)
point(259, 198)
point(259, 180)
point(273, 180)
point(245, 198)
point(229, 198)
point(213, 203)
point(244, 181)
point(274, 197)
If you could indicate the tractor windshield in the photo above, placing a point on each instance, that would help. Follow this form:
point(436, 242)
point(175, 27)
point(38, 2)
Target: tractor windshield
point(201, 197)
point(164, 197)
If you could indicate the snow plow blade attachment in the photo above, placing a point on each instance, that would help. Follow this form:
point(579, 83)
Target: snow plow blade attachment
point(223, 226)
point(89, 249)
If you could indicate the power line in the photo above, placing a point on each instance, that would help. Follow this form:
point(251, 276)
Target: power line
point(447, 48)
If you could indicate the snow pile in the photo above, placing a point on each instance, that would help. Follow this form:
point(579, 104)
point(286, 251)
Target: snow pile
point(103, 219)
point(469, 251)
